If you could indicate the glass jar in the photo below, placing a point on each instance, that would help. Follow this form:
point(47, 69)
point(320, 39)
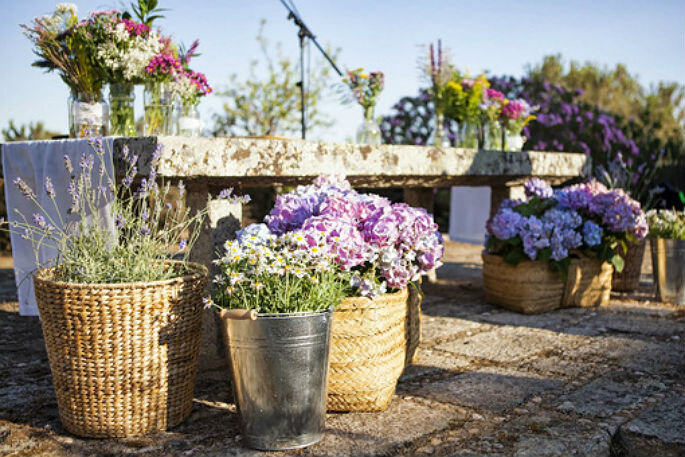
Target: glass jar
point(512, 141)
point(157, 101)
point(369, 132)
point(467, 135)
point(493, 137)
point(187, 118)
point(122, 121)
point(88, 115)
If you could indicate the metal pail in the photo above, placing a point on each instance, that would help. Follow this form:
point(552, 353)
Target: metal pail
point(279, 365)
point(668, 261)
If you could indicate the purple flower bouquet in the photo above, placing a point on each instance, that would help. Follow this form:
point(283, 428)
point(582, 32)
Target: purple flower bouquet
point(380, 245)
point(575, 231)
point(557, 226)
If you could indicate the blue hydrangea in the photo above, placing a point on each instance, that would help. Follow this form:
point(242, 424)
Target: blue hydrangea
point(534, 236)
point(504, 224)
point(592, 233)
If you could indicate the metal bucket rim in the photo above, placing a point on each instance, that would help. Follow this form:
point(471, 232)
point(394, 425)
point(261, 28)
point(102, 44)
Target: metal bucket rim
point(299, 314)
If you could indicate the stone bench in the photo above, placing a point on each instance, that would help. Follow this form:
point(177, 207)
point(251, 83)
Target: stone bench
point(208, 165)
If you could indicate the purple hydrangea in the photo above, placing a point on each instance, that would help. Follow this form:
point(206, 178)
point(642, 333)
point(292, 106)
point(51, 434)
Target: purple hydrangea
point(534, 235)
point(537, 187)
point(504, 225)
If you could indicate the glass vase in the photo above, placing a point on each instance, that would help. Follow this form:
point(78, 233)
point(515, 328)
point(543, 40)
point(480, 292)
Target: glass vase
point(88, 115)
point(438, 136)
point(158, 103)
point(467, 135)
point(492, 137)
point(187, 119)
point(512, 141)
point(122, 121)
point(369, 132)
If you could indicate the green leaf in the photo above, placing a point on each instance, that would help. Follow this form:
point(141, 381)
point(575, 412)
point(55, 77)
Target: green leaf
point(544, 255)
point(618, 262)
point(514, 257)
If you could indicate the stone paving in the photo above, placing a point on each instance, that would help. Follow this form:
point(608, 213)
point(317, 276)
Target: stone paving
point(606, 381)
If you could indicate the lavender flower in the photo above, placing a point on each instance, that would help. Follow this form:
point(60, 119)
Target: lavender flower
point(39, 220)
point(181, 189)
point(49, 188)
point(120, 221)
point(182, 244)
point(145, 230)
point(67, 164)
point(24, 188)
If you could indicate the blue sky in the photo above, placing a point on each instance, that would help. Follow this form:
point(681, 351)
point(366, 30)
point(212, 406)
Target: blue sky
point(496, 35)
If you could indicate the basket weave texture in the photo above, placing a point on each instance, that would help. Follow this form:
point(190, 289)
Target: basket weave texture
point(629, 279)
point(371, 342)
point(532, 288)
point(588, 283)
point(123, 356)
point(528, 288)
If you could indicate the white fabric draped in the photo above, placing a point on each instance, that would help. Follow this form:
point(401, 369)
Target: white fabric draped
point(32, 161)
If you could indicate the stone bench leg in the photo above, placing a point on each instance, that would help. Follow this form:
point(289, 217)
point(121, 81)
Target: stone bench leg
point(221, 223)
point(500, 193)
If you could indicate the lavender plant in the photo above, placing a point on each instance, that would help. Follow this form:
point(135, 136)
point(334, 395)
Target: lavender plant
point(147, 228)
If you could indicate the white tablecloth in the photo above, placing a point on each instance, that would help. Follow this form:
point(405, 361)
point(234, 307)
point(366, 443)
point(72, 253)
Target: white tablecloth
point(469, 211)
point(33, 161)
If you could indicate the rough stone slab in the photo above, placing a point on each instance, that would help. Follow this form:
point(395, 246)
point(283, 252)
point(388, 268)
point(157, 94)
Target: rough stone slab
point(365, 434)
point(609, 394)
point(658, 431)
point(431, 363)
point(560, 319)
point(634, 354)
point(601, 322)
point(508, 344)
point(466, 308)
point(556, 367)
point(495, 390)
point(271, 161)
point(435, 329)
point(564, 443)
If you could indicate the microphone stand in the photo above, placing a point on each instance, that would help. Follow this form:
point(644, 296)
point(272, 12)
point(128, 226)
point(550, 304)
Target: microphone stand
point(302, 34)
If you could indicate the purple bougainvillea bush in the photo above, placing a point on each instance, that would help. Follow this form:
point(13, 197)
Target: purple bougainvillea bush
point(555, 226)
point(380, 246)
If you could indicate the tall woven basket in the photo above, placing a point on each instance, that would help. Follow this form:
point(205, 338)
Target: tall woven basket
point(629, 279)
point(588, 283)
point(371, 342)
point(123, 356)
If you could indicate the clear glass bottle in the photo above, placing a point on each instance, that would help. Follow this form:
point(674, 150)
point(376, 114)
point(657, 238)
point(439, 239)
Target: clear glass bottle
point(122, 121)
point(158, 103)
point(187, 118)
point(369, 132)
point(439, 136)
point(88, 115)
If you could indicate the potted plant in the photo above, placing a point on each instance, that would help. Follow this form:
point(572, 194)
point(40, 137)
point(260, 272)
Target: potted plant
point(667, 243)
point(558, 248)
point(277, 294)
point(121, 319)
point(384, 247)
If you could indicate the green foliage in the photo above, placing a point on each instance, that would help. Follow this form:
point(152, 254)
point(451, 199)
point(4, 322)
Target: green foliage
point(28, 132)
point(271, 105)
point(145, 11)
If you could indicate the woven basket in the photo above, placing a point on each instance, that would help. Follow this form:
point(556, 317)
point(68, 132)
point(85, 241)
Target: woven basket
point(369, 349)
point(588, 283)
point(629, 279)
point(123, 356)
point(528, 288)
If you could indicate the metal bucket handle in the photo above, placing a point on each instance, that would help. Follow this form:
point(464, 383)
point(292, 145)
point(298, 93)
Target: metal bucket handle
point(239, 314)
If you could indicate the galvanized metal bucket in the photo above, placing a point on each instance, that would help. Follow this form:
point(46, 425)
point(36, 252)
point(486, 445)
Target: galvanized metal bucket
point(279, 365)
point(668, 262)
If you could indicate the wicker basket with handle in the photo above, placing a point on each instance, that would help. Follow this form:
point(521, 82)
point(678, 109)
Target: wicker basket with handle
point(371, 342)
point(123, 356)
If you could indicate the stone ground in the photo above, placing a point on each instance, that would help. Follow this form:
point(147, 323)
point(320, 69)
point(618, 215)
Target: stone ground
point(607, 381)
